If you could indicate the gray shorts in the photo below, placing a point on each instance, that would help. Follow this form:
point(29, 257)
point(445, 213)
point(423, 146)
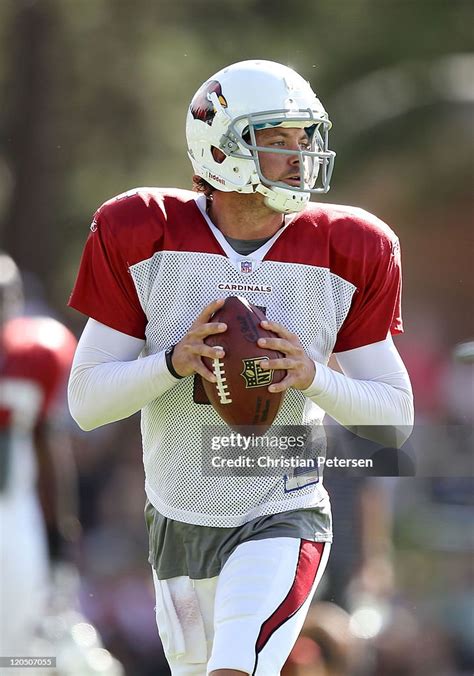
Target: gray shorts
point(200, 552)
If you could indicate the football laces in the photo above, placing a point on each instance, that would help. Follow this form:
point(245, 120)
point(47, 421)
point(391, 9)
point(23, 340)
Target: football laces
point(221, 381)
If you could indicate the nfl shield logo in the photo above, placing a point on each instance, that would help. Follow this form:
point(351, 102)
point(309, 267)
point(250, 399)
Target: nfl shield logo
point(254, 375)
point(246, 266)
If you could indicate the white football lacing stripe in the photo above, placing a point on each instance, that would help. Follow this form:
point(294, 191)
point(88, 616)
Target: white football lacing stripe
point(221, 383)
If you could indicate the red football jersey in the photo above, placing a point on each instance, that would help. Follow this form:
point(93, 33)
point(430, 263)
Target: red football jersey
point(38, 350)
point(152, 262)
point(131, 228)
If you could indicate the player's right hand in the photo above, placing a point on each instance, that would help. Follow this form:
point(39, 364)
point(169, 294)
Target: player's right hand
point(188, 353)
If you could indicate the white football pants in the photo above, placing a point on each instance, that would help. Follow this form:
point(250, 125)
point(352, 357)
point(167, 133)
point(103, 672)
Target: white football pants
point(247, 618)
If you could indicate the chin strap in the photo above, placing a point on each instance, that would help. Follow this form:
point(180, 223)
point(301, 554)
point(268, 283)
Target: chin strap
point(283, 200)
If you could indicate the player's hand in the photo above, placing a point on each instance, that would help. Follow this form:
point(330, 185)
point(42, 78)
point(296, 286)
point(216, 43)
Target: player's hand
point(300, 368)
point(188, 353)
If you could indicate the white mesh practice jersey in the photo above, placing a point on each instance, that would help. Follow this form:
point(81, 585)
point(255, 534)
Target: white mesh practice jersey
point(152, 262)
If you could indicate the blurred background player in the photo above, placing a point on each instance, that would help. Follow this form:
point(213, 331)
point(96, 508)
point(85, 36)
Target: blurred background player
point(38, 520)
point(35, 356)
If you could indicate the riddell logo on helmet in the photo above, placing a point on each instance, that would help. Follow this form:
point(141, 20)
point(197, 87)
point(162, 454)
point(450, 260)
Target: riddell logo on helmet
point(213, 177)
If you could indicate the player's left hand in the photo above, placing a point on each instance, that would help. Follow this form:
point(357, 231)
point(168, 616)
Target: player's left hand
point(300, 368)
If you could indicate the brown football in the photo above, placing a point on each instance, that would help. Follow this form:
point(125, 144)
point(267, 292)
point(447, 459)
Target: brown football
point(241, 395)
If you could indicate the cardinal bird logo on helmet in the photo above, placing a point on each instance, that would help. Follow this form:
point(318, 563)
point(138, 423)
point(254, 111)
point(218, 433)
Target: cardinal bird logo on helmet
point(202, 107)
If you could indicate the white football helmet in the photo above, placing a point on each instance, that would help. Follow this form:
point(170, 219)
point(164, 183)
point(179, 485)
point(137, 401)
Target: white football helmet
point(236, 102)
point(11, 289)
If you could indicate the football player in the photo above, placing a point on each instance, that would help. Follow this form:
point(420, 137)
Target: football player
point(35, 358)
point(236, 560)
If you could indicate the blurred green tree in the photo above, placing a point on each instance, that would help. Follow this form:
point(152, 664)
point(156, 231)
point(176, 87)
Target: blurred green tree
point(96, 93)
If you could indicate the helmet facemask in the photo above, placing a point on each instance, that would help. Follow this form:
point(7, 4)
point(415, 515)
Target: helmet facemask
point(314, 161)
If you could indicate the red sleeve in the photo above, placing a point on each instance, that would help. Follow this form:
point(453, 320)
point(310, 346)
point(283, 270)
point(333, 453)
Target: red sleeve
point(376, 306)
point(104, 289)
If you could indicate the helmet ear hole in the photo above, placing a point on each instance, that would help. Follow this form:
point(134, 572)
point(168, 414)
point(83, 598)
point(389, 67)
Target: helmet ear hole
point(217, 155)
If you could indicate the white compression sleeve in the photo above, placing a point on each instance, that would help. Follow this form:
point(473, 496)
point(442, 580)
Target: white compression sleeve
point(108, 382)
point(373, 395)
